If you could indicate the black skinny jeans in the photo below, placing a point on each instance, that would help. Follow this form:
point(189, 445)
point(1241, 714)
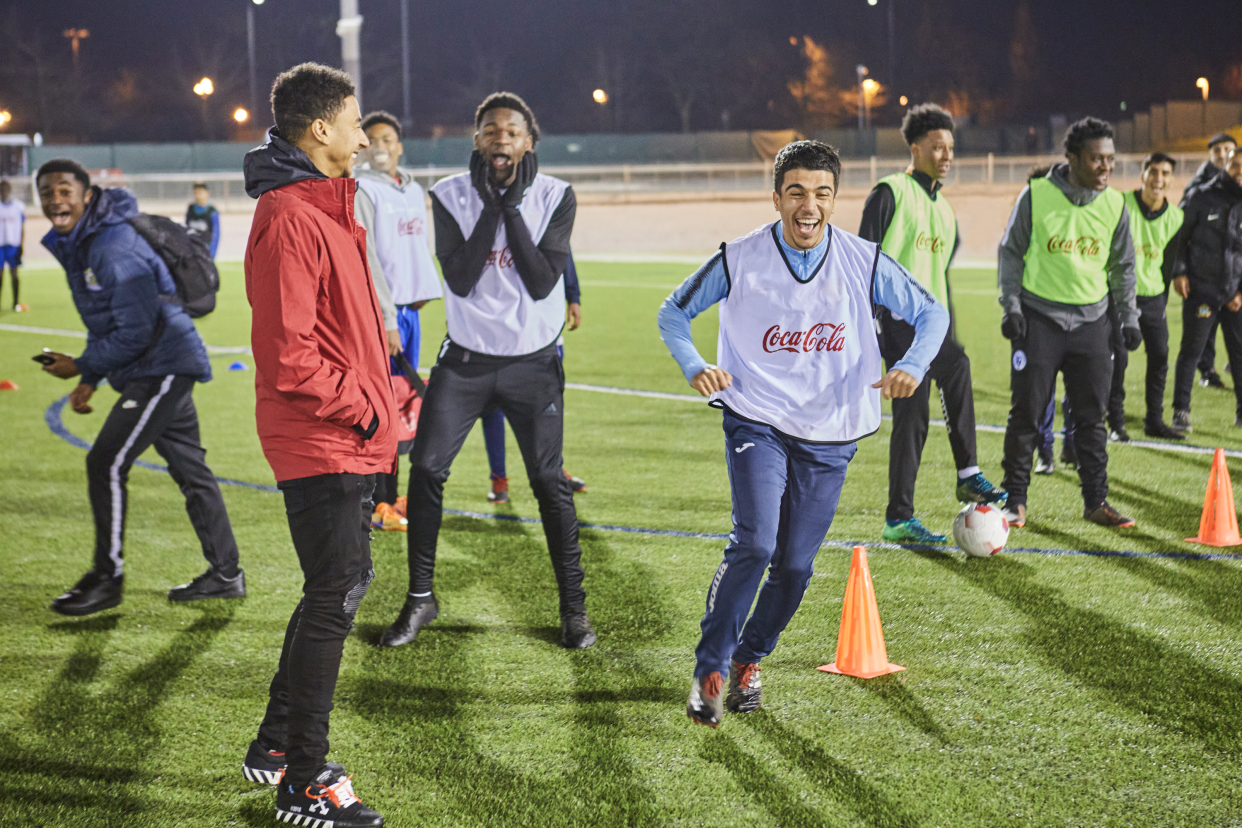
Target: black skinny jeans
point(530, 391)
point(330, 520)
point(1199, 318)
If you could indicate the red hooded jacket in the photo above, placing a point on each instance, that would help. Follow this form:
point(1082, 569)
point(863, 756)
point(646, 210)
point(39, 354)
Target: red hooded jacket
point(321, 358)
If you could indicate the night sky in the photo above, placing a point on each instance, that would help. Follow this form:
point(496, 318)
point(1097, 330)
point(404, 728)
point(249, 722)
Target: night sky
point(730, 59)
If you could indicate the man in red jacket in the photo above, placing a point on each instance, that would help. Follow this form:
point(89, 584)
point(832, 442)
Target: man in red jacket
point(325, 415)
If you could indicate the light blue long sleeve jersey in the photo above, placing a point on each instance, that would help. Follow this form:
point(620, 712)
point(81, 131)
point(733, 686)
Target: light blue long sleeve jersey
point(894, 288)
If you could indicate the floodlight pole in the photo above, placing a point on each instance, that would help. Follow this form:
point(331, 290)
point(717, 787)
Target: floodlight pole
point(254, 82)
point(892, 48)
point(348, 29)
point(407, 118)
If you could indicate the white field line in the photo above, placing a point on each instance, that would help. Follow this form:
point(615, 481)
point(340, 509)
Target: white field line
point(30, 329)
point(660, 395)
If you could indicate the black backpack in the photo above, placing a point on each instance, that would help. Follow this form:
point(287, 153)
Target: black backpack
point(188, 259)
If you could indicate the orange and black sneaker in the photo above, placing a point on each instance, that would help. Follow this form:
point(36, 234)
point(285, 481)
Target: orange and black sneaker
point(1106, 515)
point(576, 483)
point(500, 490)
point(704, 705)
point(745, 689)
point(327, 802)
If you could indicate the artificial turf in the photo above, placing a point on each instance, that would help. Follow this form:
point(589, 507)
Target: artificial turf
point(1058, 690)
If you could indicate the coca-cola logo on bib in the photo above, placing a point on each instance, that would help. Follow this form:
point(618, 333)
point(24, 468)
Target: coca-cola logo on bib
point(502, 257)
point(1082, 246)
point(824, 336)
point(928, 244)
point(410, 227)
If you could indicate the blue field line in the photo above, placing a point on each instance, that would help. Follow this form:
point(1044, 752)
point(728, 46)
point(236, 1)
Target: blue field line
point(57, 426)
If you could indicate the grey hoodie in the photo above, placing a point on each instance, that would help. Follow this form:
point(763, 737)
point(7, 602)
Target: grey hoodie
point(1012, 264)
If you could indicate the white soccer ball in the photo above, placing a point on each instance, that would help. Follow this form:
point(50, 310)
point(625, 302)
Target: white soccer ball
point(980, 530)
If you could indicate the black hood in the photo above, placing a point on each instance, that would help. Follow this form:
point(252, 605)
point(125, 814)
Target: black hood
point(276, 164)
point(1225, 182)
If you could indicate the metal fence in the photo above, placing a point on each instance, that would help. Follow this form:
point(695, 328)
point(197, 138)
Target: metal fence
point(167, 192)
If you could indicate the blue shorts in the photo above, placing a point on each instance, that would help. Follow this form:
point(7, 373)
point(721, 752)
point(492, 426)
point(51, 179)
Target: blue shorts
point(10, 255)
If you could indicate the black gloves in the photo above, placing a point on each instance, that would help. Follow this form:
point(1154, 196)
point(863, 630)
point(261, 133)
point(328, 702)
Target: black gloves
point(526, 169)
point(1133, 338)
point(1014, 326)
point(481, 177)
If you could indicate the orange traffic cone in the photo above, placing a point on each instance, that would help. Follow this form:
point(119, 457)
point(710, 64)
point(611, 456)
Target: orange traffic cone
point(860, 644)
point(1219, 524)
point(8, 385)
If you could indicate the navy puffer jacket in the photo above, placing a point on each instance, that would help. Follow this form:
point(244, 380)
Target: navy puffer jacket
point(117, 280)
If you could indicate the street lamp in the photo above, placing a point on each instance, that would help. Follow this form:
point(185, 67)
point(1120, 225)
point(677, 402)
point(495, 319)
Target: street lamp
point(1202, 83)
point(76, 36)
point(204, 88)
point(241, 115)
point(600, 96)
point(254, 83)
point(870, 86)
point(862, 71)
point(5, 117)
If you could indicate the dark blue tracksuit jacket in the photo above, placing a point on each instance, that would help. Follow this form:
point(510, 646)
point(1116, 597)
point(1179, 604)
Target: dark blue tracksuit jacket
point(116, 280)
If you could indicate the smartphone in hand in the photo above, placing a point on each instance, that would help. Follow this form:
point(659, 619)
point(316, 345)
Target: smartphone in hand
point(45, 358)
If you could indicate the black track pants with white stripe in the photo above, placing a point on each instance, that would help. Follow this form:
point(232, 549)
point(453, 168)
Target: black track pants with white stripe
point(951, 372)
point(156, 411)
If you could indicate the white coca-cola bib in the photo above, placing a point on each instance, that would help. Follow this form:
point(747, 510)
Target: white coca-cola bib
point(803, 355)
point(499, 316)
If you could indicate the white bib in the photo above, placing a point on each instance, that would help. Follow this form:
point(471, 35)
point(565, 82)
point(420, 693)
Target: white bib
point(499, 316)
point(803, 355)
point(401, 238)
point(12, 214)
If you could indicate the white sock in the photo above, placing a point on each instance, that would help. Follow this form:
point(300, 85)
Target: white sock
point(970, 472)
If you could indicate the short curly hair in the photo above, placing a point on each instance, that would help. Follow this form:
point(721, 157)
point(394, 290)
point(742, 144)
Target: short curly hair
point(922, 119)
point(508, 100)
point(1088, 129)
point(65, 165)
point(379, 116)
point(306, 93)
point(806, 155)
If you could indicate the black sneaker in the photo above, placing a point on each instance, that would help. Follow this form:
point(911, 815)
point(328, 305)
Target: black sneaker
point(745, 689)
point(211, 584)
point(1181, 422)
point(416, 614)
point(327, 802)
point(704, 705)
point(1045, 464)
point(1106, 515)
point(576, 632)
point(1119, 435)
point(262, 765)
point(95, 592)
point(1211, 379)
point(1162, 431)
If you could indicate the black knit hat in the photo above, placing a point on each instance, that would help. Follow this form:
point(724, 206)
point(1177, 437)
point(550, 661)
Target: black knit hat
point(1222, 138)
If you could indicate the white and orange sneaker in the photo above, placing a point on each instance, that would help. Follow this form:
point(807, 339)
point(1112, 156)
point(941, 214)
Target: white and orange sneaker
point(327, 802)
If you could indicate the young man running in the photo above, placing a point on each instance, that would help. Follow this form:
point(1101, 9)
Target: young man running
point(12, 237)
point(502, 237)
point(392, 207)
point(149, 351)
point(1208, 277)
point(1066, 251)
point(326, 419)
point(1220, 147)
point(203, 218)
point(800, 383)
point(1154, 226)
point(908, 216)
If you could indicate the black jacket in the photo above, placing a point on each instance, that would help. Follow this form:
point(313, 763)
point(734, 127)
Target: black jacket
point(1211, 254)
